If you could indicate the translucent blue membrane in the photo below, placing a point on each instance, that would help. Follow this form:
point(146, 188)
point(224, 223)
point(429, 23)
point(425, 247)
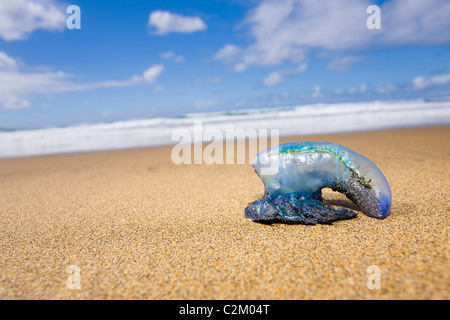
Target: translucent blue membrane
point(295, 173)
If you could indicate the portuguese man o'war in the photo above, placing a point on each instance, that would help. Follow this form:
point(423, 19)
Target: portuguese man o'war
point(295, 173)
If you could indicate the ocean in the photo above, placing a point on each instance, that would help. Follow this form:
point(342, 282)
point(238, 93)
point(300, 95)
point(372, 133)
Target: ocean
point(297, 120)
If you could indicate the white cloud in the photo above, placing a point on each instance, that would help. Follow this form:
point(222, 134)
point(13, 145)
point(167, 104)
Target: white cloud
point(166, 22)
point(14, 103)
point(205, 104)
point(170, 55)
point(278, 77)
point(151, 74)
point(6, 62)
point(213, 80)
point(17, 85)
point(425, 82)
point(14, 85)
point(240, 67)
point(273, 79)
point(158, 88)
point(285, 30)
point(317, 92)
point(294, 71)
point(363, 87)
point(179, 58)
point(227, 53)
point(415, 22)
point(167, 55)
point(230, 54)
point(387, 88)
point(19, 18)
point(343, 64)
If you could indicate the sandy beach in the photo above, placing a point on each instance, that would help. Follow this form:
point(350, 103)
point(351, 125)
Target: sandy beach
point(140, 227)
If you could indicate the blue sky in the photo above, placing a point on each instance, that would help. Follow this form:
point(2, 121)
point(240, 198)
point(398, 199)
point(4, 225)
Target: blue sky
point(144, 59)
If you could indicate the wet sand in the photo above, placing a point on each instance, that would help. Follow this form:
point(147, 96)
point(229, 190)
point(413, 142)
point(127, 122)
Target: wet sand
point(139, 227)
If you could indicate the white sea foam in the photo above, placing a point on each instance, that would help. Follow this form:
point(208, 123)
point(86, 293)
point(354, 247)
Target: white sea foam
point(301, 120)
